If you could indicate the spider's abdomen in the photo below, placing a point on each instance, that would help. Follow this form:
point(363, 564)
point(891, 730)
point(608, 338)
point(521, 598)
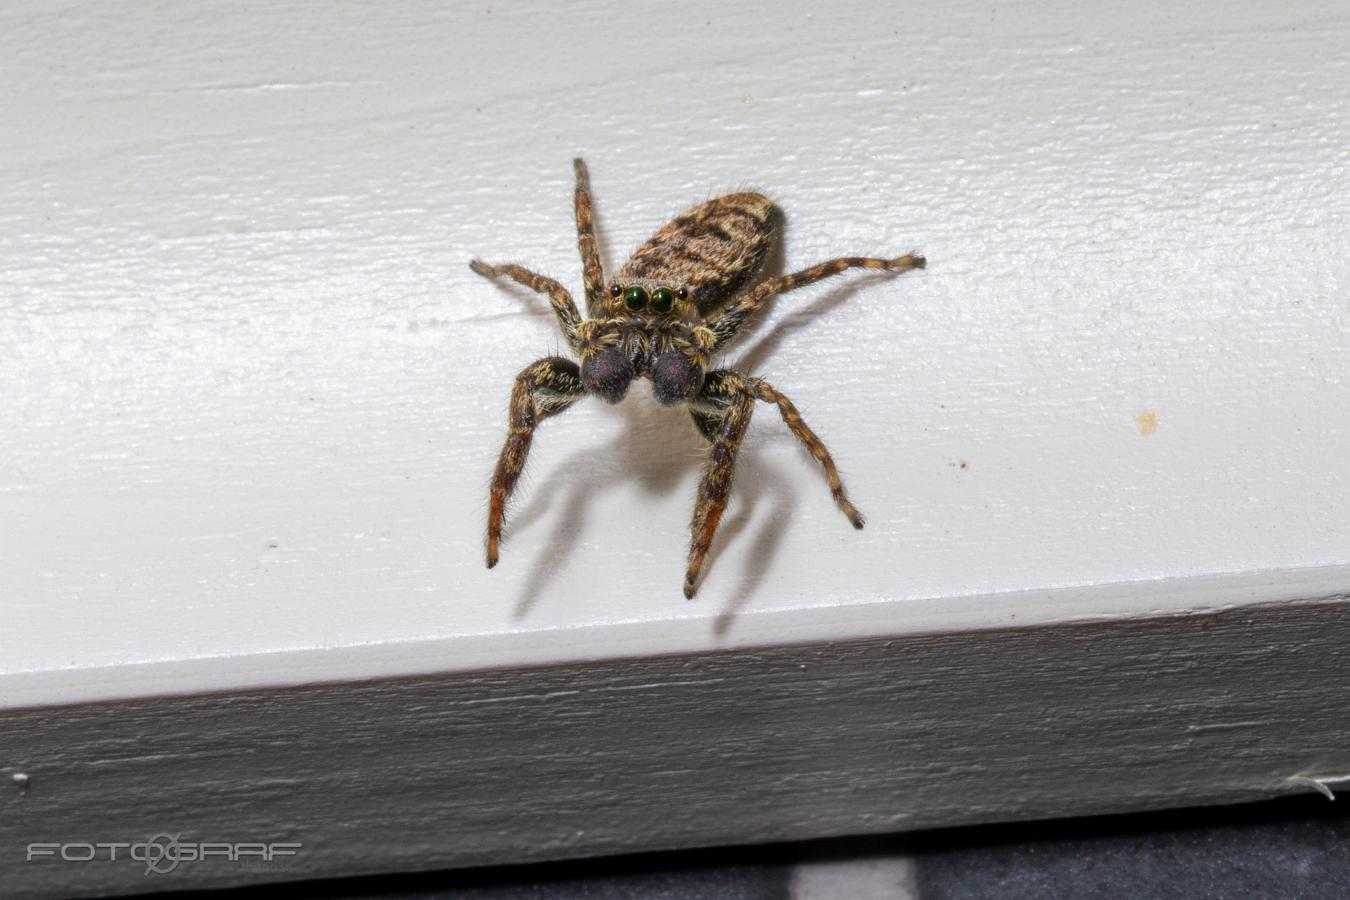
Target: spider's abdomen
point(712, 249)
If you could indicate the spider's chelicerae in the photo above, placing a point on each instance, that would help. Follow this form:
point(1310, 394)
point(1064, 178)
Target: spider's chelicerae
point(677, 301)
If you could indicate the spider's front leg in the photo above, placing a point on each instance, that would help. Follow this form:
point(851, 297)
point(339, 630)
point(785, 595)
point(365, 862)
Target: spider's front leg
point(558, 297)
point(591, 271)
point(733, 317)
point(722, 412)
point(542, 389)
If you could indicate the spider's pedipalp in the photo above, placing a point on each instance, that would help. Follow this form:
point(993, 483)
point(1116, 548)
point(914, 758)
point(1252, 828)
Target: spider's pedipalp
point(675, 378)
point(607, 373)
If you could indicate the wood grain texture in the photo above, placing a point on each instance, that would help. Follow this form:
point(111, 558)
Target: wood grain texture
point(777, 743)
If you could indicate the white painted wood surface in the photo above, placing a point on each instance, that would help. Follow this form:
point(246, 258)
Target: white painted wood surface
point(252, 392)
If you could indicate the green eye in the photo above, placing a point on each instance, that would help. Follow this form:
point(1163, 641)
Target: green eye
point(662, 299)
point(635, 298)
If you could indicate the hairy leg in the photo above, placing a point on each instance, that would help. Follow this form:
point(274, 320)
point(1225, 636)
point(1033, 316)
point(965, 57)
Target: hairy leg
point(734, 316)
point(722, 411)
point(542, 389)
point(558, 297)
point(591, 271)
point(767, 393)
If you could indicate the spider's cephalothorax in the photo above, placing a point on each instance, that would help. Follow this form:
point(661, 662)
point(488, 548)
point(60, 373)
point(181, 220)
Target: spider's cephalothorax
point(679, 299)
point(645, 329)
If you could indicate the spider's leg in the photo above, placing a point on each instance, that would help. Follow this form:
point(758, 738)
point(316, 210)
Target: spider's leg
point(722, 412)
point(733, 317)
point(591, 269)
point(543, 388)
point(558, 297)
point(767, 393)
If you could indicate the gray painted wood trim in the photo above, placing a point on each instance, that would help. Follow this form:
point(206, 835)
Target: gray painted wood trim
point(739, 746)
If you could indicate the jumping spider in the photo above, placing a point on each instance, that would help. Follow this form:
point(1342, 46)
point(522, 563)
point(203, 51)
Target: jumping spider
point(679, 299)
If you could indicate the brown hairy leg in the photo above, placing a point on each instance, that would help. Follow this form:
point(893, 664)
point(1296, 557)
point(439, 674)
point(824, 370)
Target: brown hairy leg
point(722, 412)
point(734, 316)
point(591, 270)
point(558, 297)
point(542, 389)
point(767, 393)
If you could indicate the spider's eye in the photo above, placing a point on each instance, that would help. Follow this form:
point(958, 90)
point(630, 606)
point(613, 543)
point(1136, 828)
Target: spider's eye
point(615, 290)
point(635, 298)
point(662, 299)
point(684, 293)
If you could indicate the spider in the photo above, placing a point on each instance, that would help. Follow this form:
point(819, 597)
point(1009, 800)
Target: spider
point(677, 301)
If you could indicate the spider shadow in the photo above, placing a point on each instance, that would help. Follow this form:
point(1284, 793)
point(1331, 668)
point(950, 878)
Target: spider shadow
point(532, 303)
point(796, 320)
point(647, 452)
point(775, 266)
point(761, 553)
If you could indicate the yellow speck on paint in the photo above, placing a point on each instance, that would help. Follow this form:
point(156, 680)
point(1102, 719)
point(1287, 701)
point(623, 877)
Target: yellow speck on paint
point(1147, 422)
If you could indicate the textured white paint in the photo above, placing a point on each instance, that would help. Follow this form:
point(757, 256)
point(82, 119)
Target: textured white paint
point(252, 392)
